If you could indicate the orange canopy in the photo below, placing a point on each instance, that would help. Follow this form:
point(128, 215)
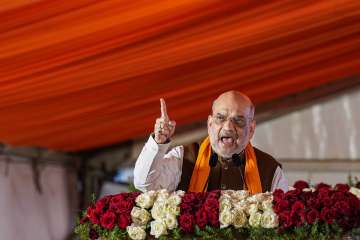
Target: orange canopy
point(82, 74)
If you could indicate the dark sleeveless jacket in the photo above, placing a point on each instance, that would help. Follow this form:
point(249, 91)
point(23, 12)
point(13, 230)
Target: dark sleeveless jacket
point(230, 178)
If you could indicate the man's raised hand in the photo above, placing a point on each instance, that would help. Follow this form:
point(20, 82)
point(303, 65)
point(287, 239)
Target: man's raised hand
point(164, 128)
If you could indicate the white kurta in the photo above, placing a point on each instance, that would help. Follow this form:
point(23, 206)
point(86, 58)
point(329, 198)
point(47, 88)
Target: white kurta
point(157, 169)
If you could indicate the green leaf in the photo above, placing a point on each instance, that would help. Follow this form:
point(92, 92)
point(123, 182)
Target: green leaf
point(83, 231)
point(132, 188)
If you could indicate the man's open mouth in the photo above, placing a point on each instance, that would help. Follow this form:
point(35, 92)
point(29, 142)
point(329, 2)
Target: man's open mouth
point(226, 140)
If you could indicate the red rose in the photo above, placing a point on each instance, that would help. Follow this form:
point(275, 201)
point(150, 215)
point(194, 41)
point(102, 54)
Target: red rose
point(185, 208)
point(201, 219)
point(108, 220)
point(322, 185)
point(305, 196)
point(200, 196)
point(132, 196)
point(301, 185)
point(314, 203)
point(213, 218)
point(284, 219)
point(119, 196)
point(278, 196)
point(297, 217)
point(214, 194)
point(292, 195)
point(281, 206)
point(357, 184)
point(101, 205)
point(125, 206)
point(116, 200)
point(93, 235)
point(278, 193)
point(342, 187)
point(298, 206)
point(186, 222)
point(312, 216)
point(323, 193)
point(338, 196)
point(343, 208)
point(93, 215)
point(188, 197)
point(345, 224)
point(327, 215)
point(326, 201)
point(211, 204)
point(84, 219)
point(124, 221)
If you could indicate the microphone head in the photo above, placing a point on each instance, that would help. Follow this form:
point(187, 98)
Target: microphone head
point(213, 159)
point(237, 159)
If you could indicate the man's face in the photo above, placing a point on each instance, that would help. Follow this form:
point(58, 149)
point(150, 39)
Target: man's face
point(230, 127)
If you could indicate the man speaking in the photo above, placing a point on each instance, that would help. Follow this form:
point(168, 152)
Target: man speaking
point(224, 160)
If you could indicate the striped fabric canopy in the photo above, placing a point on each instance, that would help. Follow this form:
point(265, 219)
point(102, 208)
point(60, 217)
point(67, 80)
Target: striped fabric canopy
point(82, 74)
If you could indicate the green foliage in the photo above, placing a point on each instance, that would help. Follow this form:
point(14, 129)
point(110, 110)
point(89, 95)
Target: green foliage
point(352, 180)
point(82, 230)
point(117, 234)
point(316, 231)
point(175, 234)
point(132, 188)
point(355, 232)
point(262, 233)
point(93, 198)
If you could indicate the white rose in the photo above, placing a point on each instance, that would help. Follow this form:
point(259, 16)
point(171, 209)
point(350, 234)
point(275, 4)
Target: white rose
point(174, 200)
point(269, 220)
point(226, 218)
point(225, 195)
point(228, 192)
point(243, 205)
point(252, 208)
point(146, 200)
point(158, 212)
point(240, 218)
point(162, 195)
point(259, 197)
point(140, 216)
point(172, 209)
point(136, 232)
point(180, 193)
point(170, 221)
point(241, 194)
point(355, 191)
point(266, 205)
point(157, 228)
point(225, 204)
point(255, 219)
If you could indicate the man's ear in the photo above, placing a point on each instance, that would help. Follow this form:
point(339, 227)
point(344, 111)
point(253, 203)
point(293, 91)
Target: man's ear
point(252, 128)
point(209, 121)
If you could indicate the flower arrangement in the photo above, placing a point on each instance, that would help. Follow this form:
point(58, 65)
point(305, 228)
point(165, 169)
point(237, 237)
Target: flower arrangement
point(303, 212)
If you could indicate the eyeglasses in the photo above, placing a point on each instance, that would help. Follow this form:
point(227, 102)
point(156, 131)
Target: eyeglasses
point(220, 119)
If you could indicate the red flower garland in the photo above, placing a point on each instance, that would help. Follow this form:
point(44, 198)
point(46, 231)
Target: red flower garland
point(199, 208)
point(322, 204)
point(111, 211)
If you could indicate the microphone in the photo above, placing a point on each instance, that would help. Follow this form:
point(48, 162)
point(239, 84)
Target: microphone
point(238, 159)
point(213, 159)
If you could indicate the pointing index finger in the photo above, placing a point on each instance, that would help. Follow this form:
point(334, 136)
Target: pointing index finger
point(163, 109)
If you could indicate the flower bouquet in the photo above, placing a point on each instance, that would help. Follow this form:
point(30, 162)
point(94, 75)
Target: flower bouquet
point(323, 212)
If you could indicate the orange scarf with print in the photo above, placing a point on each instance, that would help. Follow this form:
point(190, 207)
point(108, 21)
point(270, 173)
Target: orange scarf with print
point(201, 170)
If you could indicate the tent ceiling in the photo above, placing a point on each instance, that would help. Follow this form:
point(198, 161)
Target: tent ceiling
point(76, 75)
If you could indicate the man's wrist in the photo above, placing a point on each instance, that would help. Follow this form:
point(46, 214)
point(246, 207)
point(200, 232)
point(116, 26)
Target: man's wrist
point(166, 142)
